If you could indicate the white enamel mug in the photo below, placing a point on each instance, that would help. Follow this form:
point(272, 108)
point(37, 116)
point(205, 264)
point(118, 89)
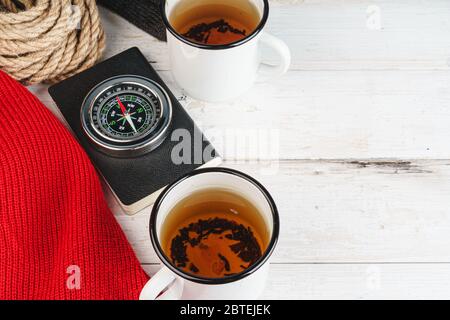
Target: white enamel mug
point(171, 283)
point(223, 72)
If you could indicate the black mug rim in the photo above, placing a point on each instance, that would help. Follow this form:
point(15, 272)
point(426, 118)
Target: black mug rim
point(255, 32)
point(203, 280)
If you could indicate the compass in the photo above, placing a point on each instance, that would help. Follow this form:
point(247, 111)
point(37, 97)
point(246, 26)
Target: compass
point(126, 115)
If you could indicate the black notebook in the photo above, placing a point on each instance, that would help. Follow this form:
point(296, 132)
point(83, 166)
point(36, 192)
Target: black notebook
point(134, 181)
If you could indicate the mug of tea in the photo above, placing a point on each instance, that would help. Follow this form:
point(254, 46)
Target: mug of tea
point(214, 46)
point(214, 231)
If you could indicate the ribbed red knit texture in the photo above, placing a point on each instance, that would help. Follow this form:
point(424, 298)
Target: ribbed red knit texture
point(53, 215)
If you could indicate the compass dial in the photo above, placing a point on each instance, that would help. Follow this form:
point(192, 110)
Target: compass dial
point(126, 115)
point(140, 111)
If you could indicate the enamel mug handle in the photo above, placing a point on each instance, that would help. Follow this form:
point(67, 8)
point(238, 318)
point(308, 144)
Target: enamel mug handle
point(163, 279)
point(268, 71)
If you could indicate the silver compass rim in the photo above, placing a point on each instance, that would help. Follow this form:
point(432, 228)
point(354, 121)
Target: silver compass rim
point(146, 145)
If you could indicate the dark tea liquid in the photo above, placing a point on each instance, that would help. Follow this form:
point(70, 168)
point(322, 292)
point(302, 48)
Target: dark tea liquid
point(215, 22)
point(214, 233)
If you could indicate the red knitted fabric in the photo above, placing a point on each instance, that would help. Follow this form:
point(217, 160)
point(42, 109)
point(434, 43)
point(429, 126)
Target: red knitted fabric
point(54, 220)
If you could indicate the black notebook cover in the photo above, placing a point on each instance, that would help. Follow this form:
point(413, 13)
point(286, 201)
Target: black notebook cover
point(144, 14)
point(135, 180)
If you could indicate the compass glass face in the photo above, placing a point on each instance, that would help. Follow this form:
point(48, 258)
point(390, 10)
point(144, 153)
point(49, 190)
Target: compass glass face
point(125, 112)
point(126, 115)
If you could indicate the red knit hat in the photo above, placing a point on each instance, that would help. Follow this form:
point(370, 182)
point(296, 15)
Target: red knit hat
point(58, 239)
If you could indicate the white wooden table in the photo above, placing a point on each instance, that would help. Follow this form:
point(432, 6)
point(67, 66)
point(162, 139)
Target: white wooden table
point(363, 116)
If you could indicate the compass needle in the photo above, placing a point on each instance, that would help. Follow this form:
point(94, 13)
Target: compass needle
point(130, 121)
point(122, 107)
point(126, 114)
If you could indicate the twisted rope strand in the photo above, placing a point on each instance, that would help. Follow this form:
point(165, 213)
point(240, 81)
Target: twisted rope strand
point(40, 41)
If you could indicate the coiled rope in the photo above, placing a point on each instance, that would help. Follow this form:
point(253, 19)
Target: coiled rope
point(49, 40)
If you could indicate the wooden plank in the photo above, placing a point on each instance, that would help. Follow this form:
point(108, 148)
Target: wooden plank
point(355, 281)
point(337, 115)
point(347, 211)
point(333, 35)
point(330, 115)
